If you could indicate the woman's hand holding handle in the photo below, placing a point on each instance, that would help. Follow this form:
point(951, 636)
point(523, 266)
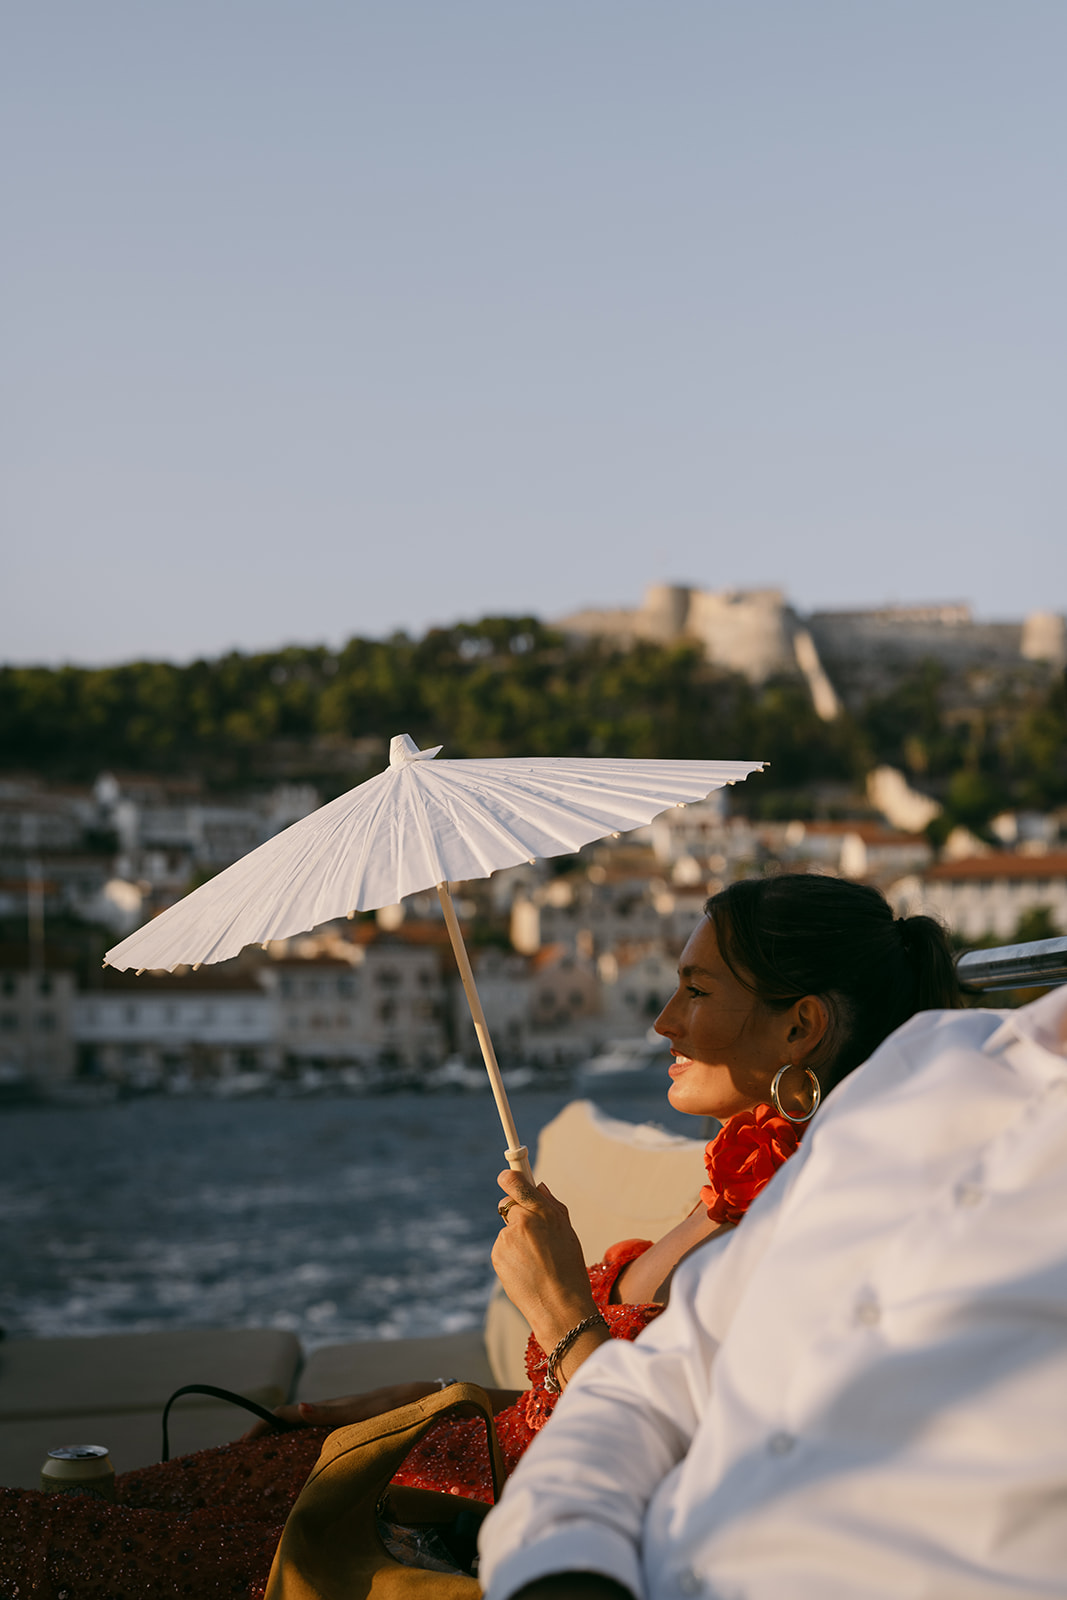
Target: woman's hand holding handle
point(346, 1408)
point(539, 1261)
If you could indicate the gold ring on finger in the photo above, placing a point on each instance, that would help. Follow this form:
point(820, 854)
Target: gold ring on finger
point(504, 1206)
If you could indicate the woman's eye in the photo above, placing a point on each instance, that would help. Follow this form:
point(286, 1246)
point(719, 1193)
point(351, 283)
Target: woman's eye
point(691, 989)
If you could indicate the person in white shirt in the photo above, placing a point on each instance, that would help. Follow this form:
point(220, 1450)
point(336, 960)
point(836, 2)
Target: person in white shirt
point(860, 1393)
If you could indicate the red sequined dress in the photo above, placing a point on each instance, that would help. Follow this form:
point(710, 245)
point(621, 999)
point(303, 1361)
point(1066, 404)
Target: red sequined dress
point(207, 1524)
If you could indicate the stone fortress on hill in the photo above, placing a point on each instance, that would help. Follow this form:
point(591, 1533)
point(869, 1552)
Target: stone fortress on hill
point(841, 654)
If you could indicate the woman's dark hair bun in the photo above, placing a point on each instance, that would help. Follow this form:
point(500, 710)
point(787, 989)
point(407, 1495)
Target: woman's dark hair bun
point(935, 970)
point(800, 933)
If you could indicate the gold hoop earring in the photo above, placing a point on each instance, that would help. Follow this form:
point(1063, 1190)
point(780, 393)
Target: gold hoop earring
point(816, 1094)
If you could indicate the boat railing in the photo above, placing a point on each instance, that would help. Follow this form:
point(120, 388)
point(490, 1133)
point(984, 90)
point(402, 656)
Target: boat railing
point(1040, 963)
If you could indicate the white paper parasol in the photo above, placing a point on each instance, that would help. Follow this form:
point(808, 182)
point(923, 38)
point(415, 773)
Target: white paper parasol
point(418, 825)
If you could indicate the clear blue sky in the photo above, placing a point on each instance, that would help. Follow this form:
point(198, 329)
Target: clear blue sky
point(324, 317)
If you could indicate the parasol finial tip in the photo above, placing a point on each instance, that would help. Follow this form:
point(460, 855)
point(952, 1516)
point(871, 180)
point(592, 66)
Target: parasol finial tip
point(402, 749)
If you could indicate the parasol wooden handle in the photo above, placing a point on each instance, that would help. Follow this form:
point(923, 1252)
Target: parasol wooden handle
point(516, 1155)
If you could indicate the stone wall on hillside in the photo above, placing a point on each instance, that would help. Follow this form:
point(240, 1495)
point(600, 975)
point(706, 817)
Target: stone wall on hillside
point(842, 655)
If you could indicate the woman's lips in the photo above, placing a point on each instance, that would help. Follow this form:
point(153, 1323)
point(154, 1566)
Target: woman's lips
point(678, 1065)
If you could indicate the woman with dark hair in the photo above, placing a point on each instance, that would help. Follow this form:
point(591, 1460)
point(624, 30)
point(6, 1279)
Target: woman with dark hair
point(786, 985)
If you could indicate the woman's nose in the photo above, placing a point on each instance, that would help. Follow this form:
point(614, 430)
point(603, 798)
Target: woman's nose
point(663, 1022)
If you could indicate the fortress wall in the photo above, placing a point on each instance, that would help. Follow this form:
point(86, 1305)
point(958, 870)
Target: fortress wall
point(842, 654)
point(1045, 638)
point(747, 631)
point(622, 626)
point(898, 639)
point(661, 619)
point(665, 612)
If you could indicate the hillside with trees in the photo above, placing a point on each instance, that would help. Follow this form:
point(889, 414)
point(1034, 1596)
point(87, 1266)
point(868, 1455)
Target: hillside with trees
point(511, 686)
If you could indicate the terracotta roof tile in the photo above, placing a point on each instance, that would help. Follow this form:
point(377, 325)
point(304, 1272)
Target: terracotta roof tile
point(999, 866)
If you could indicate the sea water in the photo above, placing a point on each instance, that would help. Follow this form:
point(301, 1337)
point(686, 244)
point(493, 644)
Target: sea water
point(337, 1218)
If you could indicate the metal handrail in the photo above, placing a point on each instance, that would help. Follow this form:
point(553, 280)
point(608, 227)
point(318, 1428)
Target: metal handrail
point(1037, 964)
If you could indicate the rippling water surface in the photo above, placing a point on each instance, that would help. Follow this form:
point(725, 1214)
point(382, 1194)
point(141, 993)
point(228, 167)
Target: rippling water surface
point(339, 1219)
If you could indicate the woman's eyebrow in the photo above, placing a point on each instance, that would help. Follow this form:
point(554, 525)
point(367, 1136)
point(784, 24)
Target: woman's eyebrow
point(689, 972)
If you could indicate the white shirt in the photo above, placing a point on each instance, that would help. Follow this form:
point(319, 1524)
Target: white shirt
point(862, 1393)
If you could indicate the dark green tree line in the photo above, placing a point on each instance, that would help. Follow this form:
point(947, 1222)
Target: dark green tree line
point(511, 686)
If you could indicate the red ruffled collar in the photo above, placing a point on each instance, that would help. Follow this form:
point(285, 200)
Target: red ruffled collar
point(743, 1158)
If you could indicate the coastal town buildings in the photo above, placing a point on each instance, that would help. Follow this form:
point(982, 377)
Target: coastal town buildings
point(571, 955)
point(868, 851)
point(988, 895)
point(381, 1006)
point(129, 845)
point(36, 1026)
point(182, 1030)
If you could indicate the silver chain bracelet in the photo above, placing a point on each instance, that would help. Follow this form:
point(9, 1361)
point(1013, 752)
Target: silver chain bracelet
point(560, 1348)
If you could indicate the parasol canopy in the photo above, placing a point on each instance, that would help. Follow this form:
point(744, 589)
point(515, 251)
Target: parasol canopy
point(419, 824)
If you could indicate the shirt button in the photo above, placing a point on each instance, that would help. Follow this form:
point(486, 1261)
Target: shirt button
point(969, 1194)
point(869, 1312)
point(780, 1444)
point(690, 1582)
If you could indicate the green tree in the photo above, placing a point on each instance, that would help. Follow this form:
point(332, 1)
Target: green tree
point(1036, 923)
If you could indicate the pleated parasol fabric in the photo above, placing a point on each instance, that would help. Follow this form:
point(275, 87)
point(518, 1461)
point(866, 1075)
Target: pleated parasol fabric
point(419, 823)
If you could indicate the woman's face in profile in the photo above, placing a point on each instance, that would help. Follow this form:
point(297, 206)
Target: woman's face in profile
point(727, 1045)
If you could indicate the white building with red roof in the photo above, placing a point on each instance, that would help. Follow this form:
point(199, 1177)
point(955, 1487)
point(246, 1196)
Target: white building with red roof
point(987, 894)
